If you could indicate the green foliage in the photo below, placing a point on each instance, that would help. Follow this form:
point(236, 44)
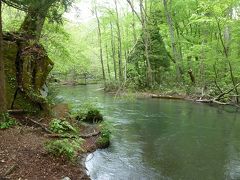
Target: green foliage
point(87, 112)
point(203, 30)
point(62, 127)
point(104, 140)
point(7, 122)
point(66, 148)
point(52, 95)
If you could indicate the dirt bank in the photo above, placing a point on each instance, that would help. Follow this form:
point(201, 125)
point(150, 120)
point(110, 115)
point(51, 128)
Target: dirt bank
point(22, 156)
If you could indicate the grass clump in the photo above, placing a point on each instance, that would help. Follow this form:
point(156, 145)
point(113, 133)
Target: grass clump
point(64, 148)
point(7, 122)
point(62, 126)
point(88, 112)
point(104, 139)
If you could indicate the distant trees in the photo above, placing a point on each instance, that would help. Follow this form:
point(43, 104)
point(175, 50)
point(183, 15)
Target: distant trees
point(187, 45)
point(163, 42)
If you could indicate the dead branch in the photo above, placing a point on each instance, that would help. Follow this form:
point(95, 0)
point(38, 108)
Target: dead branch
point(17, 111)
point(10, 170)
point(40, 125)
point(167, 97)
point(227, 92)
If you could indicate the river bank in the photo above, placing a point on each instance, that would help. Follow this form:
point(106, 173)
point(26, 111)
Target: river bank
point(23, 152)
point(221, 99)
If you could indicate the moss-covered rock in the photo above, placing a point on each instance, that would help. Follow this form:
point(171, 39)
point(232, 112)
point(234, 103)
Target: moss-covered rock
point(26, 67)
point(10, 50)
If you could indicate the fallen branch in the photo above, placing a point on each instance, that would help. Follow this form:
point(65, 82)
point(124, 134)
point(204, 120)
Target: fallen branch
point(40, 125)
point(167, 97)
point(204, 101)
point(10, 170)
point(16, 111)
point(227, 92)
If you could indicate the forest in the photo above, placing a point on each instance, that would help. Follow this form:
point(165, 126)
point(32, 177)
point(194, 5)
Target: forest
point(58, 56)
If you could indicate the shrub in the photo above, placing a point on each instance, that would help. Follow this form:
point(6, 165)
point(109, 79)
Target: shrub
point(8, 121)
point(88, 113)
point(104, 140)
point(65, 148)
point(62, 126)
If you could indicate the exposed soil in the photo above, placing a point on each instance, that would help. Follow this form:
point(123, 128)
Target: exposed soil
point(22, 156)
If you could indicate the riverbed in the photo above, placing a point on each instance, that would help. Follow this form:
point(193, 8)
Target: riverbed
point(162, 139)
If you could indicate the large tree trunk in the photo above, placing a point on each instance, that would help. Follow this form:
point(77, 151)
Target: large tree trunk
point(32, 25)
point(3, 107)
point(27, 63)
point(26, 70)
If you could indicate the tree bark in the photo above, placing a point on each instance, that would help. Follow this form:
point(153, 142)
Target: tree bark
point(32, 25)
point(149, 75)
point(226, 53)
point(119, 43)
point(176, 54)
point(3, 104)
point(108, 66)
point(134, 24)
point(113, 52)
point(100, 43)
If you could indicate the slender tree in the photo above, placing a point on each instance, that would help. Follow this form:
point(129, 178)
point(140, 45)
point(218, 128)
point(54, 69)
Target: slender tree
point(176, 55)
point(100, 41)
point(113, 51)
point(119, 43)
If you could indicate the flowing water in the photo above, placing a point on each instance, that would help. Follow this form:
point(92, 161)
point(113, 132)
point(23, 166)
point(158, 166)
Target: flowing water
point(163, 139)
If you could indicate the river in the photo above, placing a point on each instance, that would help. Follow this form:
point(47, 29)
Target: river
point(162, 139)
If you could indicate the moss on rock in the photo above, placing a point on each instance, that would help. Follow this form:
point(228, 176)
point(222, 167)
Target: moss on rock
point(26, 67)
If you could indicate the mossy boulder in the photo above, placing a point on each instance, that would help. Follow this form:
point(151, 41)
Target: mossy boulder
point(26, 68)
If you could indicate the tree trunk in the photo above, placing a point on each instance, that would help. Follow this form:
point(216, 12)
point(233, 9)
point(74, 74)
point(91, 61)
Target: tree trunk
point(134, 24)
point(226, 53)
point(32, 25)
point(113, 52)
point(149, 76)
point(119, 44)
point(176, 54)
point(108, 66)
point(100, 43)
point(3, 105)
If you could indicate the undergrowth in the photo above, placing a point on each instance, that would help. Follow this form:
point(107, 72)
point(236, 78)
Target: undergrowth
point(7, 122)
point(87, 112)
point(62, 126)
point(64, 148)
point(104, 139)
